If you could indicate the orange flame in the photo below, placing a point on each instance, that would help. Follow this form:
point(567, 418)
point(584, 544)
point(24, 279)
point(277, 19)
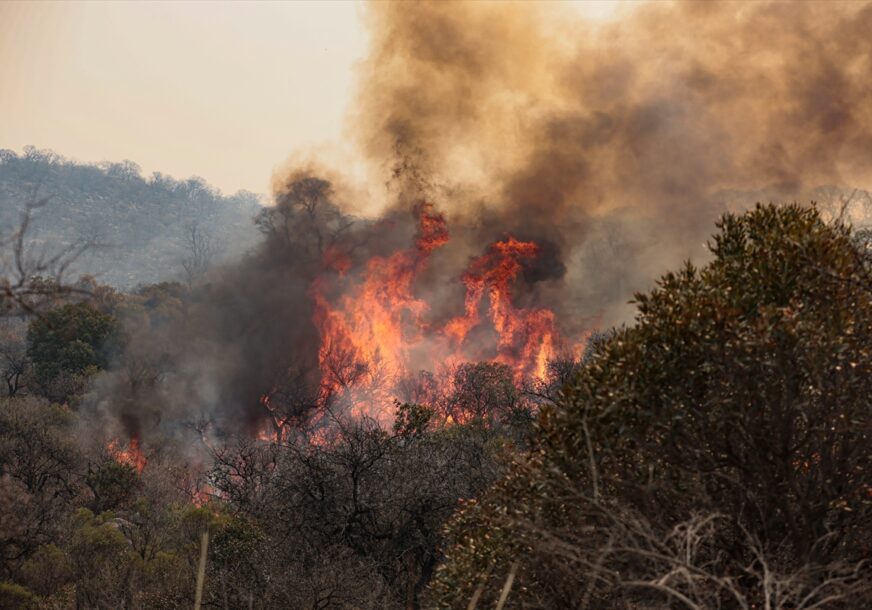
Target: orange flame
point(131, 456)
point(202, 495)
point(367, 337)
point(525, 338)
point(370, 332)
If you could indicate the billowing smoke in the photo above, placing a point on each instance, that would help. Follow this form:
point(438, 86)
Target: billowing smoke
point(611, 146)
point(620, 143)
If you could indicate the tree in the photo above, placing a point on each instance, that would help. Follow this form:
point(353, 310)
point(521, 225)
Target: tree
point(68, 344)
point(32, 276)
point(483, 391)
point(14, 362)
point(200, 252)
point(349, 516)
point(485, 394)
point(306, 224)
point(716, 454)
point(39, 460)
point(103, 564)
point(112, 483)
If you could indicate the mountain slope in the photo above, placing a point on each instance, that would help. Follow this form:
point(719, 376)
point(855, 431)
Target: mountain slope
point(141, 225)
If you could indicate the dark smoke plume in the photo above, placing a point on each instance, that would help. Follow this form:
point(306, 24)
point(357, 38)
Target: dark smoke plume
point(619, 143)
point(615, 146)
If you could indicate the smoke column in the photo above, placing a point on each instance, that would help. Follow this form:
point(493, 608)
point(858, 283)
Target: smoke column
point(613, 147)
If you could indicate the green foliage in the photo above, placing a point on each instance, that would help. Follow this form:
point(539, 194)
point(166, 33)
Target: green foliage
point(114, 484)
point(48, 570)
point(138, 555)
point(69, 344)
point(162, 303)
point(166, 581)
point(740, 392)
point(412, 420)
point(16, 597)
point(237, 557)
point(38, 461)
point(102, 561)
point(235, 541)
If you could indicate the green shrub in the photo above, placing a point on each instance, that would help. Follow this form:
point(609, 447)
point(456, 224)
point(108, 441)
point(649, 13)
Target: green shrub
point(716, 452)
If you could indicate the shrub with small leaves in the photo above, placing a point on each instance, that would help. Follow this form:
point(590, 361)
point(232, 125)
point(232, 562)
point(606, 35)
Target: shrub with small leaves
point(716, 453)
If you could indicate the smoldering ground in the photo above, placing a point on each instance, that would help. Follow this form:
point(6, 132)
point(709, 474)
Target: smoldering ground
point(614, 145)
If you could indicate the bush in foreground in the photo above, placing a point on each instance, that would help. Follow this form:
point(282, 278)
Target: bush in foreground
point(716, 454)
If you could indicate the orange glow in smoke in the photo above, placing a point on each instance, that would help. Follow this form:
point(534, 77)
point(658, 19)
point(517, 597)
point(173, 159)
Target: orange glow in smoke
point(202, 495)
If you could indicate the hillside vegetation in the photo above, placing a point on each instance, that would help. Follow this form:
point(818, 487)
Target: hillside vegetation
point(140, 226)
point(713, 455)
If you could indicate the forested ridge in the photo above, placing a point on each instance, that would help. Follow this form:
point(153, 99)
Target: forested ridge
point(139, 225)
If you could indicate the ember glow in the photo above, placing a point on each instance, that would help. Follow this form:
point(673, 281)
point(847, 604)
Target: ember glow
point(202, 496)
point(375, 332)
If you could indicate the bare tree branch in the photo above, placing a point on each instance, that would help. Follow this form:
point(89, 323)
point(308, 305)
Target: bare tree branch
point(32, 276)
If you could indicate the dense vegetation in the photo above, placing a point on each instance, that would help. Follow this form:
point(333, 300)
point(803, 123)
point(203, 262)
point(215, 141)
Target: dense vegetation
point(341, 513)
point(713, 454)
point(139, 227)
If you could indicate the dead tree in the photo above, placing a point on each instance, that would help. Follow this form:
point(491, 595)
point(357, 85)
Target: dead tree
point(201, 250)
point(34, 275)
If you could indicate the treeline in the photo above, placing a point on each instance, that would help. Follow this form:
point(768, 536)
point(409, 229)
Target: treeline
point(139, 227)
point(714, 454)
point(351, 517)
point(338, 512)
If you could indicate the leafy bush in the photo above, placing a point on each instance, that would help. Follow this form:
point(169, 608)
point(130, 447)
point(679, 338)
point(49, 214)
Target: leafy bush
point(69, 344)
point(716, 454)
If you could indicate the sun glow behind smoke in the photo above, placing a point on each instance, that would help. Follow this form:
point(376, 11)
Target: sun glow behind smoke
point(603, 10)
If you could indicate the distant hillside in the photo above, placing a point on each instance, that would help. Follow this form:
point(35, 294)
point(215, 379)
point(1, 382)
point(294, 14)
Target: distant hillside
point(141, 224)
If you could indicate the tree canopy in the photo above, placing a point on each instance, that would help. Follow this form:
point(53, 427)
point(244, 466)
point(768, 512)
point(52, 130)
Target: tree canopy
point(715, 454)
point(69, 342)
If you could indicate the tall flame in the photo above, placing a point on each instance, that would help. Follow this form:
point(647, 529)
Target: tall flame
point(525, 337)
point(370, 332)
point(367, 336)
point(130, 456)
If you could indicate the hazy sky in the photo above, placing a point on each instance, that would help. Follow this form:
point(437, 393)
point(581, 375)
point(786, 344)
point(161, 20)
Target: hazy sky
point(226, 91)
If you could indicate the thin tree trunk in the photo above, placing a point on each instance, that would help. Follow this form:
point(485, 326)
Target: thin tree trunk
point(507, 587)
point(201, 570)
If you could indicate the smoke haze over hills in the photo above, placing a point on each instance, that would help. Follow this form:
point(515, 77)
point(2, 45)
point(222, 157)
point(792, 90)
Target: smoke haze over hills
point(611, 147)
point(139, 225)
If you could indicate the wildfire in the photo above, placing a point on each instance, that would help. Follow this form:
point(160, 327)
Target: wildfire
point(367, 336)
point(525, 338)
point(131, 456)
point(369, 333)
point(202, 496)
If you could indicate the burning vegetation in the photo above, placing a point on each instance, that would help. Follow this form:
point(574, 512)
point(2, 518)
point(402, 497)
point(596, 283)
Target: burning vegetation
point(129, 456)
point(527, 171)
point(382, 362)
point(379, 331)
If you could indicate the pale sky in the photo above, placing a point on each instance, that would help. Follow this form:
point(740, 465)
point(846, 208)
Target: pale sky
point(223, 90)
